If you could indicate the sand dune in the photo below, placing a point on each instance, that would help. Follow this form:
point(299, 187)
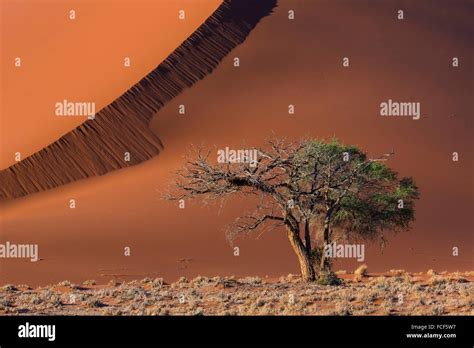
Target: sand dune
point(118, 136)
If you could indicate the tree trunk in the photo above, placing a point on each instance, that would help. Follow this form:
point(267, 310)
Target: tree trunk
point(307, 238)
point(323, 266)
point(307, 270)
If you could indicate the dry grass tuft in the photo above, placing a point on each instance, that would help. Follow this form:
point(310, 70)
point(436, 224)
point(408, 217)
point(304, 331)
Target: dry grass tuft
point(397, 272)
point(360, 273)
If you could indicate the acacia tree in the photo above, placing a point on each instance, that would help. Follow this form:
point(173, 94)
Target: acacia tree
point(319, 191)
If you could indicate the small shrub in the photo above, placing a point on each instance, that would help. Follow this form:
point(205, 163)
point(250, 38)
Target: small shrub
point(438, 310)
point(343, 309)
point(9, 288)
point(328, 278)
point(437, 280)
point(89, 282)
point(251, 280)
point(94, 303)
point(397, 272)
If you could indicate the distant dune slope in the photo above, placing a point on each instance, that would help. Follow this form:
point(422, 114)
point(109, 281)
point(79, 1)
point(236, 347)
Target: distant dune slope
point(99, 146)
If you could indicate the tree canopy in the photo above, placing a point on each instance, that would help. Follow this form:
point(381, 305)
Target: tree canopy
point(319, 190)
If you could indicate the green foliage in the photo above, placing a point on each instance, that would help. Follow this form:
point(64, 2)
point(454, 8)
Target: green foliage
point(364, 194)
point(367, 214)
point(379, 171)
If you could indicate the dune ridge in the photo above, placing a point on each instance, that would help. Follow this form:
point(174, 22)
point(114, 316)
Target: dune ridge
point(99, 146)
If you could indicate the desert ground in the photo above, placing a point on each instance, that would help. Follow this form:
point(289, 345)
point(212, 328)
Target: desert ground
point(392, 293)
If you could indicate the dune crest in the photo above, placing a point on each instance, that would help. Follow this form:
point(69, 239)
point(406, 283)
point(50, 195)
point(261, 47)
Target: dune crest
point(120, 136)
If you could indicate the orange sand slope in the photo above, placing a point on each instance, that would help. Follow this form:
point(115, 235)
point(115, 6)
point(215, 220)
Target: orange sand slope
point(118, 136)
point(79, 60)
